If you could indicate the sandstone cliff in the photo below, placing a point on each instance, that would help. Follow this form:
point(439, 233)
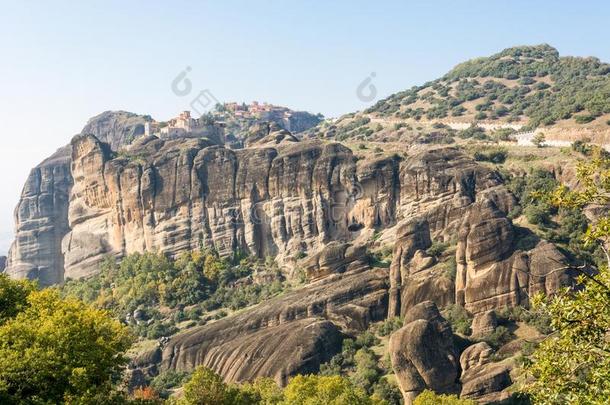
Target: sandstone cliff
point(272, 199)
point(41, 219)
point(312, 205)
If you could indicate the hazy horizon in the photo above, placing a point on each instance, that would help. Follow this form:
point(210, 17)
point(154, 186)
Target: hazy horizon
point(64, 63)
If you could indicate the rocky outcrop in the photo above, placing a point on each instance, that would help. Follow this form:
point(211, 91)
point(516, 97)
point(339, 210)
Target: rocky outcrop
point(295, 121)
point(116, 128)
point(279, 198)
point(2, 263)
point(335, 257)
point(491, 273)
point(411, 237)
point(268, 133)
point(440, 185)
point(290, 334)
point(41, 221)
point(422, 353)
point(482, 379)
point(41, 216)
point(484, 323)
point(181, 194)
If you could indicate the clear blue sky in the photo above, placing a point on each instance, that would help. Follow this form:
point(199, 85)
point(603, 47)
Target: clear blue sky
point(62, 62)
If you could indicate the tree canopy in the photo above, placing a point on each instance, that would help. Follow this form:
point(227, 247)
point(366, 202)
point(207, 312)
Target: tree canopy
point(55, 350)
point(207, 388)
point(572, 365)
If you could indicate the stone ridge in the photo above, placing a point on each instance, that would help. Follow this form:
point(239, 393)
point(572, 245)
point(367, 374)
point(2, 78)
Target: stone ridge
point(180, 194)
point(261, 342)
point(313, 206)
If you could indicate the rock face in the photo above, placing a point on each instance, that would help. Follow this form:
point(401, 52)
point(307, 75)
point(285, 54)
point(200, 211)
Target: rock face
point(411, 238)
point(484, 323)
point(491, 273)
point(279, 197)
point(41, 216)
point(481, 379)
point(41, 221)
point(187, 193)
point(290, 334)
point(2, 263)
point(116, 128)
point(422, 353)
point(438, 188)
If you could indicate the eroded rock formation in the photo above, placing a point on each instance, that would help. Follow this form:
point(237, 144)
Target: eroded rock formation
point(482, 379)
point(492, 273)
point(422, 353)
point(313, 207)
point(290, 334)
point(41, 221)
point(41, 216)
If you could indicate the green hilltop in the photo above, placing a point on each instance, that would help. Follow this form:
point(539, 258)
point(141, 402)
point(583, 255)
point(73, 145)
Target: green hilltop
point(532, 85)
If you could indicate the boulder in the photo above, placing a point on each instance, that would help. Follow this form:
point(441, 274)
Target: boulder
point(422, 353)
point(334, 257)
point(484, 323)
point(482, 379)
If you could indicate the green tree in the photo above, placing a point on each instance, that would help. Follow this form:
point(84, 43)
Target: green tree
point(573, 364)
point(207, 388)
point(13, 296)
point(538, 140)
point(330, 390)
point(367, 373)
point(60, 350)
point(264, 391)
point(430, 398)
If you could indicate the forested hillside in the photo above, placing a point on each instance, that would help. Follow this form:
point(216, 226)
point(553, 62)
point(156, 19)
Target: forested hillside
point(523, 84)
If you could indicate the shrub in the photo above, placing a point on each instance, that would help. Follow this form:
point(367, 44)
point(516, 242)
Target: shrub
point(503, 134)
point(160, 329)
point(167, 380)
point(473, 132)
point(366, 339)
point(539, 140)
point(584, 119)
point(430, 398)
point(459, 319)
point(499, 337)
point(494, 156)
point(389, 325)
point(437, 248)
point(538, 214)
point(450, 267)
point(388, 392)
